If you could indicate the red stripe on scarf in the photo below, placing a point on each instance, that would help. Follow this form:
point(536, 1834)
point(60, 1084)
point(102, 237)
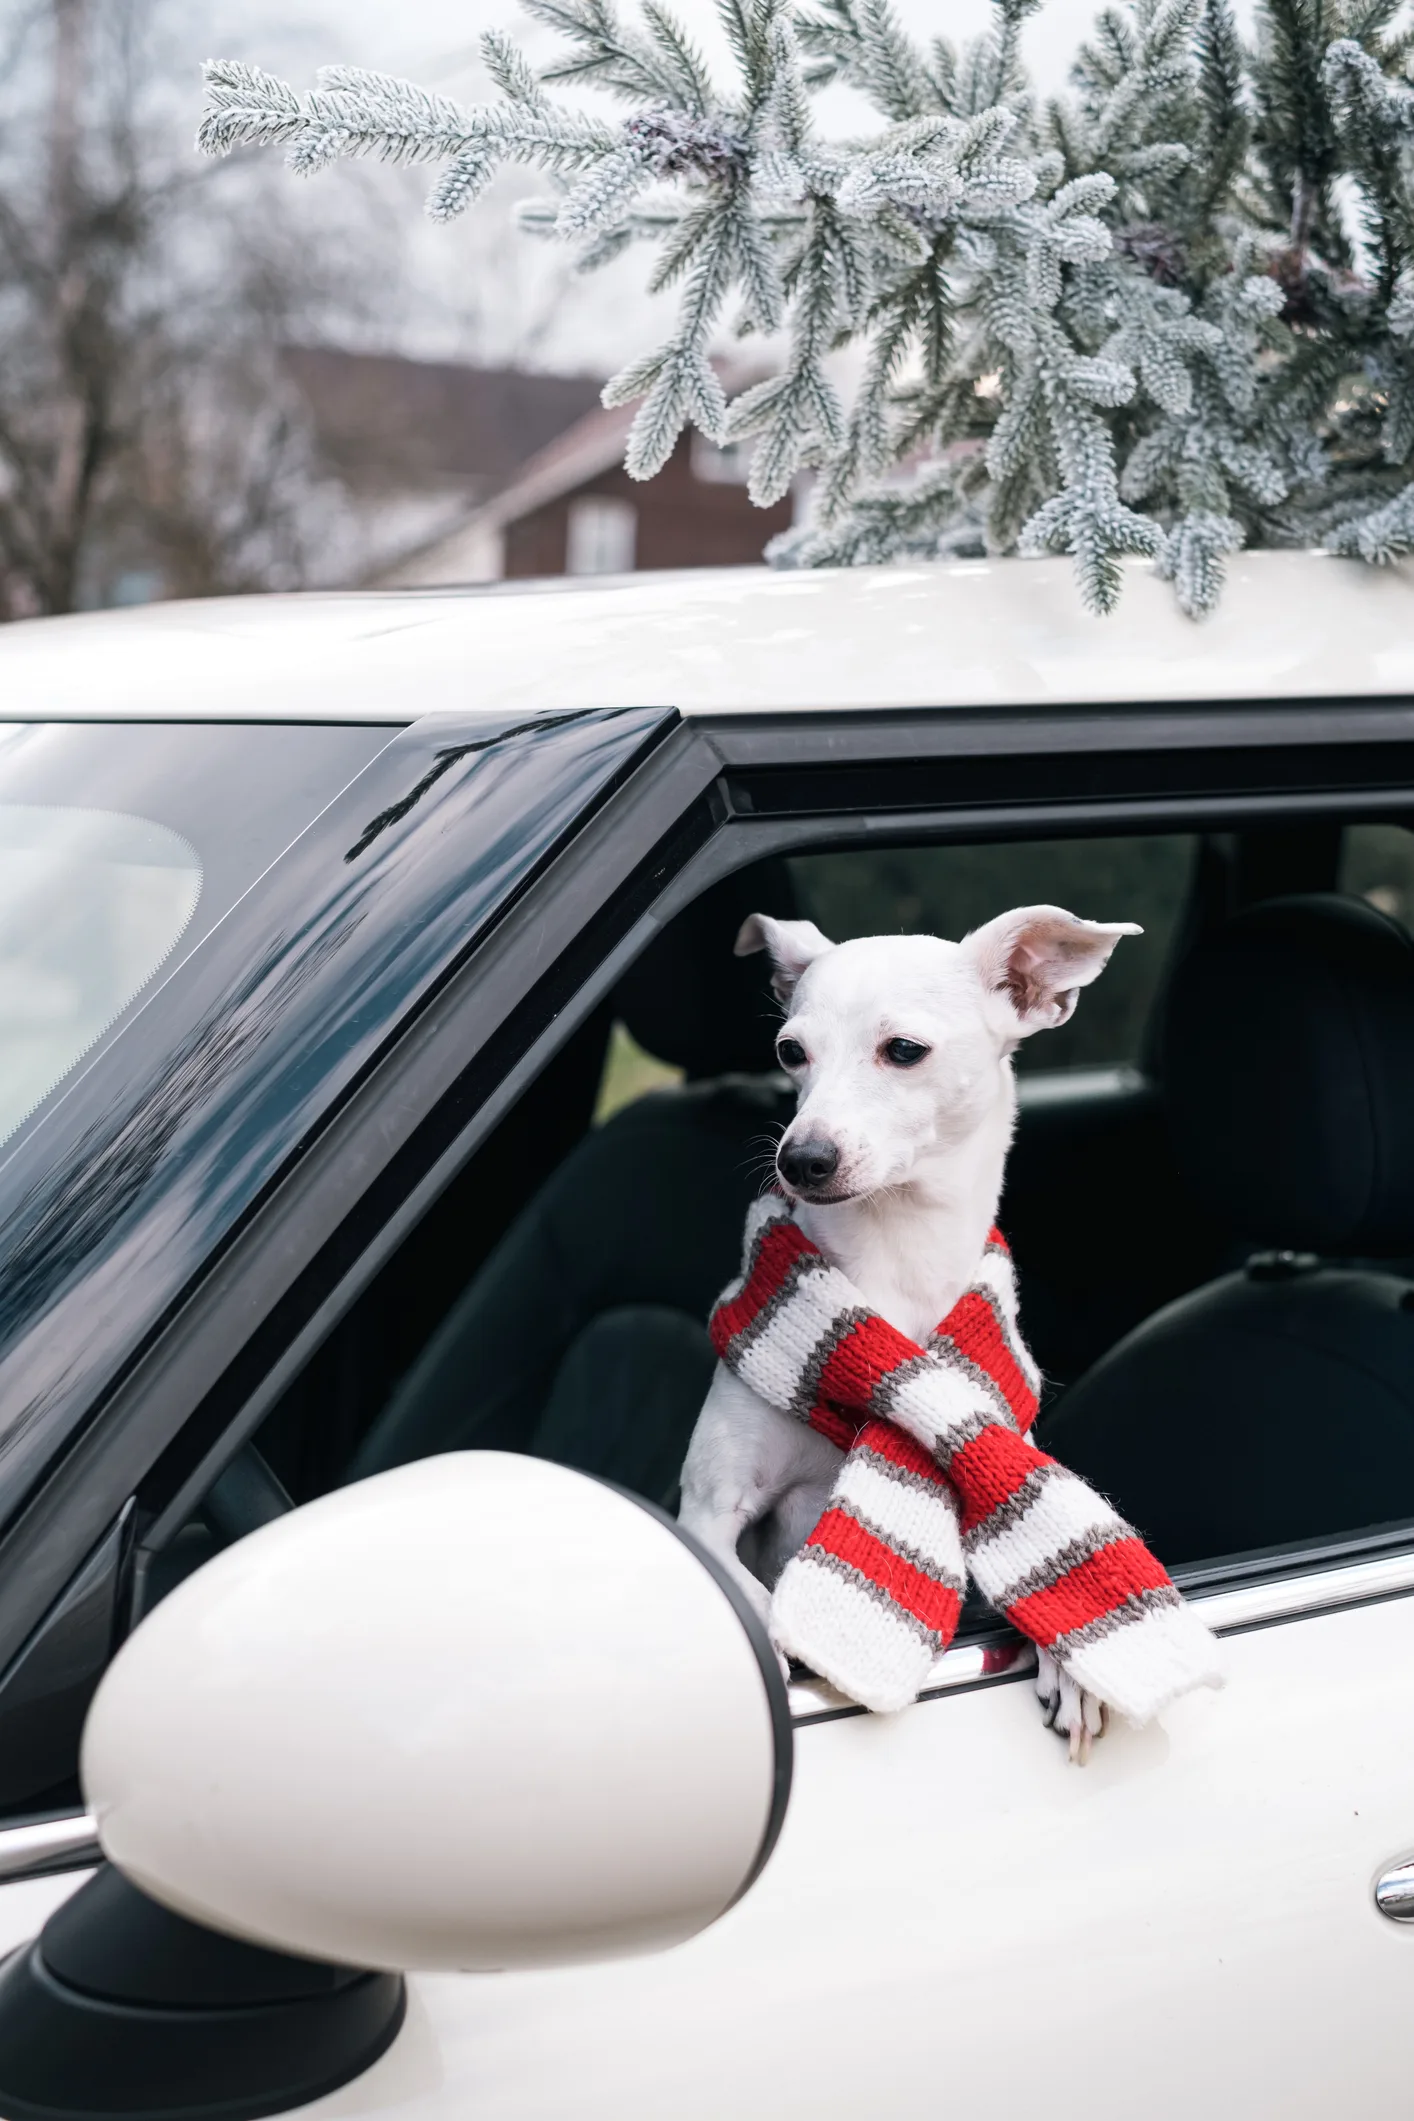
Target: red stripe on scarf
point(864, 1353)
point(936, 1605)
point(842, 1430)
point(973, 1328)
point(782, 1245)
point(901, 1450)
point(988, 1470)
point(1103, 1584)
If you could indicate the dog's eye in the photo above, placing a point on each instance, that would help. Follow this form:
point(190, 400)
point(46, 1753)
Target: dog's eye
point(905, 1052)
point(790, 1053)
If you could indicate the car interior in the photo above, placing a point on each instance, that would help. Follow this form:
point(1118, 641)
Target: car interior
point(1210, 1198)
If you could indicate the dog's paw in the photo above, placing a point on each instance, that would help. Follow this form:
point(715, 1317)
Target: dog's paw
point(1073, 1714)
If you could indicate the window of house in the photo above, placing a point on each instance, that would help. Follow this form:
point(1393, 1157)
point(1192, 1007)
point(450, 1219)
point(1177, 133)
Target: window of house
point(601, 535)
point(720, 463)
point(135, 585)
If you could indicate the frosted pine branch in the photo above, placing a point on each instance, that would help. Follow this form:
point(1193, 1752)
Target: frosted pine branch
point(1168, 315)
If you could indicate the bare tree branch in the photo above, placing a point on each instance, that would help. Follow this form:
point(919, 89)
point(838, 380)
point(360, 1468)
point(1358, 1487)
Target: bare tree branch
point(145, 297)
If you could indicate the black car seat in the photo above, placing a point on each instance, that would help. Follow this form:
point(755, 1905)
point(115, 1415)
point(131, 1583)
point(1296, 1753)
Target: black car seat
point(1276, 1404)
point(583, 1337)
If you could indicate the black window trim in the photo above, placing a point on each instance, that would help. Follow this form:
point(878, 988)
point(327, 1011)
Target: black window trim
point(677, 826)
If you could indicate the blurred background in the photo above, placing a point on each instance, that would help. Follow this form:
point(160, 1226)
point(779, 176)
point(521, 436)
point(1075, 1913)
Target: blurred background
point(221, 377)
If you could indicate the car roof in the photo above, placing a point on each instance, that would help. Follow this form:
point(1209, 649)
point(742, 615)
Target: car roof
point(726, 640)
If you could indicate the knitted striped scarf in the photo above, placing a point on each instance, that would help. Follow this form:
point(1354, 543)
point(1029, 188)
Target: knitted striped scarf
point(940, 1476)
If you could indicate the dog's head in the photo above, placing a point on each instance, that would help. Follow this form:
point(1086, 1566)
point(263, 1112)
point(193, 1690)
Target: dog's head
point(899, 1044)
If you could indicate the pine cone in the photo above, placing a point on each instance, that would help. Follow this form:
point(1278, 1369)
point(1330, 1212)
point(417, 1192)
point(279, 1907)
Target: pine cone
point(1313, 289)
point(1156, 249)
point(675, 144)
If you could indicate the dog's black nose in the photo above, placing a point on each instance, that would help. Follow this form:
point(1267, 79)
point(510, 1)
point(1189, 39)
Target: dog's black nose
point(809, 1163)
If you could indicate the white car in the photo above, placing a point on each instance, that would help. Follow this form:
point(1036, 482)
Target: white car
point(379, 1104)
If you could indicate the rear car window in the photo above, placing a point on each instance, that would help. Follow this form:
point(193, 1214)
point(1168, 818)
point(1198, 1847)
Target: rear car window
point(949, 890)
point(1377, 864)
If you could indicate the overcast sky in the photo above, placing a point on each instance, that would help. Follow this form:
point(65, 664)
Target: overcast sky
point(423, 38)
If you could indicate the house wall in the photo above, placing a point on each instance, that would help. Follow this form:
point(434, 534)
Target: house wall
point(683, 521)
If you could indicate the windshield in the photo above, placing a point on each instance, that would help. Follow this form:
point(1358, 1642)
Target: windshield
point(91, 902)
point(120, 846)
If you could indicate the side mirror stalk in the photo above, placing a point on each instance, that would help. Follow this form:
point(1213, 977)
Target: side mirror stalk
point(122, 2008)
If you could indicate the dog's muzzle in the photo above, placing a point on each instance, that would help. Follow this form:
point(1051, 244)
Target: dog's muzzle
point(808, 1166)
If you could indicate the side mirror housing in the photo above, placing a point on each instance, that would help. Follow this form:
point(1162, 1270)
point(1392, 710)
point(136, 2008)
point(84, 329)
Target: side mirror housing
point(479, 1712)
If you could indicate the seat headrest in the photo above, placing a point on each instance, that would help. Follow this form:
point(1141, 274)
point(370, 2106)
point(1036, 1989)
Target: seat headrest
point(690, 1001)
point(1288, 1072)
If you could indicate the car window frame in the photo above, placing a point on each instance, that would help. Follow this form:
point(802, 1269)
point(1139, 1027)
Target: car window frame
point(687, 815)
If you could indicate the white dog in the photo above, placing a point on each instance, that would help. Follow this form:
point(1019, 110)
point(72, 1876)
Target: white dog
point(900, 1046)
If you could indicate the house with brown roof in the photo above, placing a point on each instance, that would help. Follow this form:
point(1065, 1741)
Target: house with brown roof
point(406, 450)
point(414, 472)
point(572, 509)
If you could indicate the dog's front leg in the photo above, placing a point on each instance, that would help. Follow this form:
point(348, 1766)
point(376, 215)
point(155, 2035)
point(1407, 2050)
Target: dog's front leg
point(1078, 1717)
point(742, 1458)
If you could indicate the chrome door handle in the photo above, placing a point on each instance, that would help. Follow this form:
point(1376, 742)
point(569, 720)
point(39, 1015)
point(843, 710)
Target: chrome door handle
point(1394, 1891)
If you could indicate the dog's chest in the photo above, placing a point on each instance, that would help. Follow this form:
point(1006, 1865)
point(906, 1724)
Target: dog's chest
point(914, 1293)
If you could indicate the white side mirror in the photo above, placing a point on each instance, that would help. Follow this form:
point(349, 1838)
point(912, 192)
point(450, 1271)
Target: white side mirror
point(479, 1712)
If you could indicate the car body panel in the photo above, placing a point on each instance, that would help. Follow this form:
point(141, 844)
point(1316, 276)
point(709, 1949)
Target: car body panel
point(957, 1922)
point(1003, 632)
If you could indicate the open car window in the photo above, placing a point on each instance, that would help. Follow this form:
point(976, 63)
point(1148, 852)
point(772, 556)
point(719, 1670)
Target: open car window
point(556, 1298)
point(947, 890)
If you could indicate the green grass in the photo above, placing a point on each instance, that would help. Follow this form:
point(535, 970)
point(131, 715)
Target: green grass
point(629, 1073)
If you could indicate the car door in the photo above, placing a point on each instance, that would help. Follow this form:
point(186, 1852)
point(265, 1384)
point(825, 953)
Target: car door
point(955, 1921)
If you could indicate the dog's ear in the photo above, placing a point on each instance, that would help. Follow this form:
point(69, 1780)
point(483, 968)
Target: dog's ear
point(793, 945)
point(1039, 957)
